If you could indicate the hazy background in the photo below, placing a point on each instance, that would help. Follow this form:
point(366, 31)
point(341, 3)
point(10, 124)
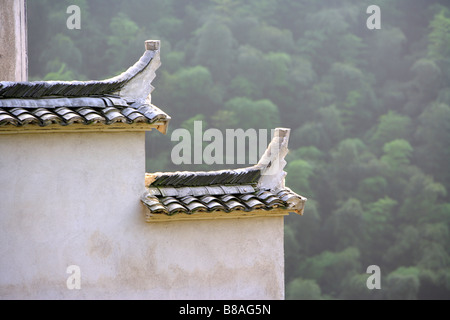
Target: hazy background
point(369, 112)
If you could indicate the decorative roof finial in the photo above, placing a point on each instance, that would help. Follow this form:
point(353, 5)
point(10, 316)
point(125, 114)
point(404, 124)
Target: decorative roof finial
point(152, 45)
point(272, 161)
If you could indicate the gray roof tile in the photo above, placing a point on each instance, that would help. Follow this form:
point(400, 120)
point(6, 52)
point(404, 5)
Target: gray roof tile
point(40, 89)
point(171, 205)
point(223, 190)
point(42, 103)
point(84, 115)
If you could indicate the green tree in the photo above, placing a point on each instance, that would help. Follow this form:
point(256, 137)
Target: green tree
point(372, 188)
point(386, 49)
point(391, 126)
point(304, 233)
point(125, 33)
point(240, 86)
point(331, 269)
point(354, 95)
point(250, 65)
point(439, 39)
point(311, 134)
point(299, 172)
point(260, 114)
point(303, 289)
point(378, 221)
point(349, 164)
point(61, 55)
point(397, 153)
point(323, 133)
point(61, 74)
point(433, 134)
point(277, 65)
point(355, 288)
point(403, 251)
point(403, 284)
point(215, 48)
point(427, 78)
point(346, 223)
point(292, 251)
point(421, 195)
point(397, 170)
point(302, 73)
point(324, 30)
point(269, 38)
point(191, 86)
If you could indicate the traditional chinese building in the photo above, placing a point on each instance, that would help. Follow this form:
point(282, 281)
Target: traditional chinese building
point(74, 192)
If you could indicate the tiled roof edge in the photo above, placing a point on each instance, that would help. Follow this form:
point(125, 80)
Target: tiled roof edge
point(65, 116)
point(171, 205)
point(250, 189)
point(248, 175)
point(266, 174)
point(40, 89)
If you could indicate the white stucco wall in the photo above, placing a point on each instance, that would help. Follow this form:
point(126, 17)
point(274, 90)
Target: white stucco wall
point(73, 199)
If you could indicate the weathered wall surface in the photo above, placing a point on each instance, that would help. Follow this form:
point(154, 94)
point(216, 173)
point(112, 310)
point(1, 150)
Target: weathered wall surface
point(13, 41)
point(73, 199)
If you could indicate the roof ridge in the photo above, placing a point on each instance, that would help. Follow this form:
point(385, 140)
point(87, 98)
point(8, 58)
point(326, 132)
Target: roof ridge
point(266, 174)
point(117, 85)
